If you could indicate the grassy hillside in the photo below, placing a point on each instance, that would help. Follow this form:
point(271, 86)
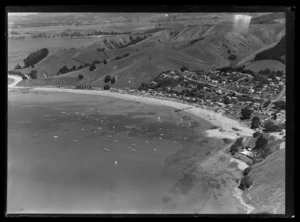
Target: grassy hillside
point(272, 65)
point(137, 58)
point(267, 193)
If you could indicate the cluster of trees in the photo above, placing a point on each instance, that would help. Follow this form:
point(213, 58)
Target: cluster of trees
point(108, 79)
point(240, 69)
point(270, 126)
point(271, 74)
point(33, 74)
point(261, 148)
point(65, 69)
point(35, 57)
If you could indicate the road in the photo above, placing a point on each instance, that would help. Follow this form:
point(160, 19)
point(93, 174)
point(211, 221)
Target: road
point(16, 79)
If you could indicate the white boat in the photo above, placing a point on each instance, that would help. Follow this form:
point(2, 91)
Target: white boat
point(106, 150)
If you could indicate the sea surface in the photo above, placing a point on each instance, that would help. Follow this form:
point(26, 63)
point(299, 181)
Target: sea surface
point(72, 153)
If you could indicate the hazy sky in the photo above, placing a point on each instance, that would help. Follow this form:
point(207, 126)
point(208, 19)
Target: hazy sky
point(21, 13)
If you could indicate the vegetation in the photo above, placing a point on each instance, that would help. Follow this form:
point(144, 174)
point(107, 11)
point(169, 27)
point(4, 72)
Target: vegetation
point(106, 87)
point(256, 134)
point(92, 67)
point(261, 142)
point(107, 78)
point(184, 68)
point(235, 147)
point(35, 57)
point(247, 171)
point(270, 126)
point(246, 113)
point(65, 69)
point(240, 69)
point(279, 105)
point(245, 183)
point(255, 122)
point(232, 57)
point(33, 74)
point(113, 80)
point(80, 76)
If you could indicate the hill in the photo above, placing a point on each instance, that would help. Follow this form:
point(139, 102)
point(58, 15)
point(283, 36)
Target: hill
point(135, 58)
point(267, 193)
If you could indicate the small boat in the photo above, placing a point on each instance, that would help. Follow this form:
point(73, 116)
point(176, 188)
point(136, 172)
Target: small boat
point(116, 163)
point(106, 150)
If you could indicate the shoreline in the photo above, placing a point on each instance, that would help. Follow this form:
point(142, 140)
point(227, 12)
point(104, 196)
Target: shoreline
point(225, 123)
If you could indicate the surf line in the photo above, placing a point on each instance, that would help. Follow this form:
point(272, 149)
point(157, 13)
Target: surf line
point(178, 110)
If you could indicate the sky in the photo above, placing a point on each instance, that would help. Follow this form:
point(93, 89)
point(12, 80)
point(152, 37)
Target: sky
point(20, 13)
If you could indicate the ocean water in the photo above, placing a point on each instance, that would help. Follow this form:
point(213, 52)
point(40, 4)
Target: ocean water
point(57, 158)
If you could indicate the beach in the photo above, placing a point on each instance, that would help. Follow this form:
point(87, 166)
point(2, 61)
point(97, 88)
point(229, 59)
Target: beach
point(226, 124)
point(184, 197)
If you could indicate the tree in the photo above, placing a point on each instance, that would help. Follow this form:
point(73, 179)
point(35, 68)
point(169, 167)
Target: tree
point(256, 134)
point(80, 76)
point(247, 171)
point(245, 183)
point(261, 142)
point(113, 80)
point(232, 57)
point(184, 68)
point(105, 61)
point(107, 78)
point(33, 74)
point(255, 122)
point(246, 113)
point(106, 87)
point(237, 144)
point(92, 67)
point(227, 100)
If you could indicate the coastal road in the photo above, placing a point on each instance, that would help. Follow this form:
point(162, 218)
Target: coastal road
point(16, 79)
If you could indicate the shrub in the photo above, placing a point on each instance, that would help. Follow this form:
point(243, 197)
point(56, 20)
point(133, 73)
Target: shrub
point(261, 142)
point(270, 126)
point(107, 79)
point(247, 171)
point(235, 147)
point(279, 105)
point(255, 122)
point(105, 61)
point(256, 134)
point(33, 74)
point(80, 76)
point(106, 87)
point(245, 183)
point(113, 80)
point(184, 68)
point(92, 67)
point(246, 113)
point(232, 57)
